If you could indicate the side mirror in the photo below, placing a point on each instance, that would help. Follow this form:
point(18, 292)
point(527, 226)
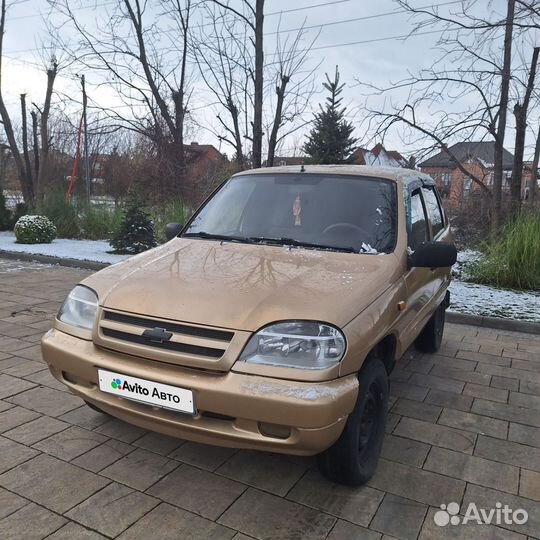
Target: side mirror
point(433, 255)
point(172, 230)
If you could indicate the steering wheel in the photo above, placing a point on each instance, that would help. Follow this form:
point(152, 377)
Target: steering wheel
point(344, 225)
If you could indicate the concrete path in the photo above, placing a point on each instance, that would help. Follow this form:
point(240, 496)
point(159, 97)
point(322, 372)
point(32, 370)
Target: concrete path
point(464, 427)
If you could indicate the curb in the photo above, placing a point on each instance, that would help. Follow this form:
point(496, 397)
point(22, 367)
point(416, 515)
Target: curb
point(526, 327)
point(49, 259)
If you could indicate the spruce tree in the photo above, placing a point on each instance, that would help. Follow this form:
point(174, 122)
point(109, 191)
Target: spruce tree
point(330, 140)
point(136, 231)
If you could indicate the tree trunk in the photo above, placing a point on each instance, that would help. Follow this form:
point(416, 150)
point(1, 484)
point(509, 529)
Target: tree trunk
point(272, 143)
point(259, 82)
point(35, 144)
point(28, 176)
point(520, 113)
point(239, 158)
point(44, 130)
point(501, 127)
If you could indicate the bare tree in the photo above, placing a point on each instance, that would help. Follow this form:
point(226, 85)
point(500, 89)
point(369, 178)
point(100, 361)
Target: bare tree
point(28, 172)
point(520, 112)
point(255, 22)
point(45, 140)
point(222, 54)
point(294, 87)
point(152, 82)
point(475, 95)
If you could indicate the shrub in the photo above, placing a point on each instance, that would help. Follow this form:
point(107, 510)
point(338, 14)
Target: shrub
point(80, 219)
point(62, 213)
point(98, 221)
point(20, 210)
point(34, 230)
point(5, 214)
point(513, 260)
point(136, 231)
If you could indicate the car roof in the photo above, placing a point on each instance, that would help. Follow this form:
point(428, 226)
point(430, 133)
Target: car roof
point(397, 174)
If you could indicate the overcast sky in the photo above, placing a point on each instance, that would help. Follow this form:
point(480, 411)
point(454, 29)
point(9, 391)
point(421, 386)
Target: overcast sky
point(377, 60)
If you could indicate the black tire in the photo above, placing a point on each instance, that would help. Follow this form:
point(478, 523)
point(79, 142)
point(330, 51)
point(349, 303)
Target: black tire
point(430, 338)
point(353, 458)
point(96, 408)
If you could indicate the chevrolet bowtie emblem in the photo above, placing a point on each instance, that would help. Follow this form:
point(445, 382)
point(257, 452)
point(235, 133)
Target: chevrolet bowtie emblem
point(157, 335)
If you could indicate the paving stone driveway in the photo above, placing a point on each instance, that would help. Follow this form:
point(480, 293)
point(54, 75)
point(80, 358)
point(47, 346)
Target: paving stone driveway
point(464, 427)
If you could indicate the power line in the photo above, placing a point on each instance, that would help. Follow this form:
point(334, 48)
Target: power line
point(115, 3)
point(323, 25)
point(362, 18)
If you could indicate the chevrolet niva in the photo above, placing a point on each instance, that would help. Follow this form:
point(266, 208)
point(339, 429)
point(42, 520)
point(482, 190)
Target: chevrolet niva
point(272, 319)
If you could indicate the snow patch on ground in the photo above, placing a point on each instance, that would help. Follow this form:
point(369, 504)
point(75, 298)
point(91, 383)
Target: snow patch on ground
point(491, 302)
point(464, 258)
point(82, 250)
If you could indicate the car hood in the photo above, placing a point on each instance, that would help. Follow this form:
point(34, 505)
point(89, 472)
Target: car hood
point(244, 286)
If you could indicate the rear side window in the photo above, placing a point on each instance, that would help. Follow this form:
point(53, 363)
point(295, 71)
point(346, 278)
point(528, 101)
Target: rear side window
point(418, 230)
point(434, 210)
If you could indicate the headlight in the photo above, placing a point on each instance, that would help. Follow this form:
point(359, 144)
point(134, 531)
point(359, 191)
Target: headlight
point(79, 308)
point(296, 344)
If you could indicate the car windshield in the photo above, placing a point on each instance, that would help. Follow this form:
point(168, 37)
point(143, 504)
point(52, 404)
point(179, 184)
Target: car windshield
point(339, 212)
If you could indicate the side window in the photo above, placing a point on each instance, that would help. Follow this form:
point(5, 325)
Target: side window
point(418, 230)
point(434, 210)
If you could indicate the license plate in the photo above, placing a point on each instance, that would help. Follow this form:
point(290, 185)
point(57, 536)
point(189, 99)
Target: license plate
point(149, 392)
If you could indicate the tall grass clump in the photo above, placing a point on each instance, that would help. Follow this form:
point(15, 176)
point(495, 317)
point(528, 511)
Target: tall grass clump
point(174, 211)
point(79, 218)
point(513, 260)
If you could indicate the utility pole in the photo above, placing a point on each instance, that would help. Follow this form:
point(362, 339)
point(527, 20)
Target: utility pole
point(85, 128)
point(259, 84)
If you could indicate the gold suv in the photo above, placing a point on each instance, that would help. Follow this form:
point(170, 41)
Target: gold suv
point(272, 319)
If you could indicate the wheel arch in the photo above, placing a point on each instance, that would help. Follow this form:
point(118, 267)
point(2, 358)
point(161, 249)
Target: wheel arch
point(385, 350)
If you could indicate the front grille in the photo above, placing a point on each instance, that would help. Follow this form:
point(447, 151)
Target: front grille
point(190, 345)
point(167, 345)
point(176, 328)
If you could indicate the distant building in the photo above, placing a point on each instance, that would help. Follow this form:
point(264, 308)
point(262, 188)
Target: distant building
point(282, 161)
point(378, 156)
point(477, 158)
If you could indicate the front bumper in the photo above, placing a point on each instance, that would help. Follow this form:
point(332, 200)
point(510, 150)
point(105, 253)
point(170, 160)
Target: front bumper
point(233, 409)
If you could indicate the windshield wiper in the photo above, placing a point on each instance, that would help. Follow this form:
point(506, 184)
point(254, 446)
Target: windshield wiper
point(222, 237)
point(283, 241)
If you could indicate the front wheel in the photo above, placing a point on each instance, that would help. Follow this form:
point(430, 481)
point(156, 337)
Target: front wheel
point(430, 338)
point(353, 458)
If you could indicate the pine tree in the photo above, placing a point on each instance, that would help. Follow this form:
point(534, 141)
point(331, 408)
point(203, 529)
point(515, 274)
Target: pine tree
point(136, 231)
point(330, 140)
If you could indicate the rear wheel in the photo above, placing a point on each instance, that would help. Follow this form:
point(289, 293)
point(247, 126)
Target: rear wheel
point(354, 456)
point(430, 338)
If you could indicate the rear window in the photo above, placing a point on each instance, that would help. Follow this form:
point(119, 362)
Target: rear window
point(334, 210)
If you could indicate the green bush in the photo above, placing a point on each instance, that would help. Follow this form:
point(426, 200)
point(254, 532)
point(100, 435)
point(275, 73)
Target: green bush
point(97, 221)
point(80, 219)
point(5, 214)
point(62, 213)
point(136, 231)
point(34, 230)
point(513, 260)
point(20, 210)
